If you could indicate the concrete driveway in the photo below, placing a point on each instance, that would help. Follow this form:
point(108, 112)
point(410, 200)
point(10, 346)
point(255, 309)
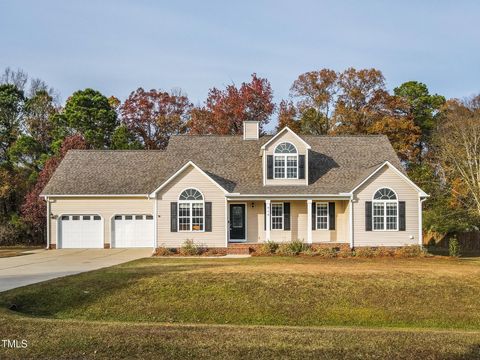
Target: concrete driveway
point(43, 265)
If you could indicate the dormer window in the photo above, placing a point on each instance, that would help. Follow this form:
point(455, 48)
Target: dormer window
point(285, 161)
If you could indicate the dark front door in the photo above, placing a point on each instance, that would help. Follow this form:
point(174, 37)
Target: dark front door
point(237, 222)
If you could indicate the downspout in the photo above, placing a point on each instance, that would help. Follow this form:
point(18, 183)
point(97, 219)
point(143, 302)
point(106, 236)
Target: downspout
point(155, 225)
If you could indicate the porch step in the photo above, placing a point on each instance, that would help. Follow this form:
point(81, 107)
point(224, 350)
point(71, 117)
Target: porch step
point(240, 249)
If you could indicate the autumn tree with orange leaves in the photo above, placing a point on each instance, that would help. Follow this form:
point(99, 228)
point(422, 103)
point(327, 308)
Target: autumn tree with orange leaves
point(152, 117)
point(225, 110)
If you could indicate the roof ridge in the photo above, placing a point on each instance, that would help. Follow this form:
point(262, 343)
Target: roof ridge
point(119, 150)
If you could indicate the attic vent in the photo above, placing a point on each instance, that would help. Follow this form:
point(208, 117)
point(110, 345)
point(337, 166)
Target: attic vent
point(250, 130)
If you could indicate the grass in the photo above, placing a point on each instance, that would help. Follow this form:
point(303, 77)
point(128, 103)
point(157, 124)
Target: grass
point(253, 308)
point(9, 251)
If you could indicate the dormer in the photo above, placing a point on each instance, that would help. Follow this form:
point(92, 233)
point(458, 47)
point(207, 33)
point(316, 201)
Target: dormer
point(285, 159)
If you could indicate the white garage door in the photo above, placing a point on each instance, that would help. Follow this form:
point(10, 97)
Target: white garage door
point(80, 231)
point(133, 231)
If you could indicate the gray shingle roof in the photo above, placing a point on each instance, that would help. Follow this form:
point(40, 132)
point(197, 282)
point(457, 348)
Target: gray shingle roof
point(336, 165)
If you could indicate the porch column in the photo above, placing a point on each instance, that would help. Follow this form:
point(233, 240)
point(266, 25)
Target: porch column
point(267, 220)
point(309, 221)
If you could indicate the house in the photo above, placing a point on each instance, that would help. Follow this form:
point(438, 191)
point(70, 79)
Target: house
point(220, 190)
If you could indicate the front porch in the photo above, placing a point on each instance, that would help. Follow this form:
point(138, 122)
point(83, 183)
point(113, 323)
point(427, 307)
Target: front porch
point(313, 221)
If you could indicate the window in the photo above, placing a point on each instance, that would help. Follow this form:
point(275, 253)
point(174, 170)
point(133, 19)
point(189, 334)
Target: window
point(149, 217)
point(86, 217)
point(118, 217)
point(285, 163)
point(322, 216)
point(191, 211)
point(277, 216)
point(138, 217)
point(75, 217)
point(96, 217)
point(385, 210)
point(65, 217)
point(128, 217)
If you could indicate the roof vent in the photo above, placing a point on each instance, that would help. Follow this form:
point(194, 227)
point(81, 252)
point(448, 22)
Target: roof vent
point(250, 130)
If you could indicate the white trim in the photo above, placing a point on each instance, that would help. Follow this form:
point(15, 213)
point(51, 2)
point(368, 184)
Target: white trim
point(155, 225)
point(97, 195)
point(190, 163)
point(385, 201)
point(48, 221)
point(316, 215)
point(402, 175)
point(227, 232)
point(420, 220)
point(296, 196)
point(188, 188)
point(309, 221)
point(306, 166)
point(285, 162)
point(246, 222)
point(350, 217)
point(59, 219)
point(267, 220)
point(286, 128)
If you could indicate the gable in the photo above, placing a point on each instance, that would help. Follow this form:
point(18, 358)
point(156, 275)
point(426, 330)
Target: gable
point(286, 136)
point(387, 177)
point(190, 177)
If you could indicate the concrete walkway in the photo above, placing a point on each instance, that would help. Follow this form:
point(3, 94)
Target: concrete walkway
point(43, 265)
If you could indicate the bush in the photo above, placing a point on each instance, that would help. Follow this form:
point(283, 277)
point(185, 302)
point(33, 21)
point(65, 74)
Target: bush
point(268, 248)
point(365, 252)
point(11, 235)
point(189, 248)
point(454, 247)
point(163, 251)
point(410, 251)
point(326, 252)
point(310, 251)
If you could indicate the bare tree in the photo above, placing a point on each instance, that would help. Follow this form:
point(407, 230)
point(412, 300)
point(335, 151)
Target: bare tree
point(458, 148)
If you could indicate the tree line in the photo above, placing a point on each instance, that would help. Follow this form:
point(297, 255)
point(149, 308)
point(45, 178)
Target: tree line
point(437, 140)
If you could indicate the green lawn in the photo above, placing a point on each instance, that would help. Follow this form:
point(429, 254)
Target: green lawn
point(307, 307)
point(9, 251)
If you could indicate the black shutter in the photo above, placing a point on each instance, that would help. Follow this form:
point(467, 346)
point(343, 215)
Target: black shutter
point(301, 166)
point(331, 215)
point(208, 216)
point(314, 216)
point(173, 217)
point(264, 216)
point(269, 166)
point(401, 216)
point(286, 216)
point(368, 215)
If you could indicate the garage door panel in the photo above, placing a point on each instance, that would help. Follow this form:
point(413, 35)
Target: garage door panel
point(133, 230)
point(81, 231)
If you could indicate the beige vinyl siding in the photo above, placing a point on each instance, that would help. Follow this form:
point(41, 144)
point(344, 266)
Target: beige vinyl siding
point(191, 178)
point(251, 129)
point(386, 177)
point(301, 149)
point(298, 224)
point(105, 207)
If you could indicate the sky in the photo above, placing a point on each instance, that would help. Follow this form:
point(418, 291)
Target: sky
point(117, 46)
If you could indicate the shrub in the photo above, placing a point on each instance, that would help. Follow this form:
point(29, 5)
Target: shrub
point(365, 252)
point(410, 251)
point(297, 246)
point(284, 249)
point(309, 251)
point(326, 252)
point(163, 251)
point(10, 235)
point(189, 248)
point(454, 247)
point(267, 248)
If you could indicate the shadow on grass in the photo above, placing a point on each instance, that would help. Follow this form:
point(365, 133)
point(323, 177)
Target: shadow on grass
point(50, 298)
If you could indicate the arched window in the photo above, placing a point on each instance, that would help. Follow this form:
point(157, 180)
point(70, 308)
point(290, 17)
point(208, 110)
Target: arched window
point(191, 211)
point(385, 210)
point(285, 163)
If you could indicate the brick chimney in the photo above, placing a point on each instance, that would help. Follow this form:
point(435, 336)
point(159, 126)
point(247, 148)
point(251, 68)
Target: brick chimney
point(251, 130)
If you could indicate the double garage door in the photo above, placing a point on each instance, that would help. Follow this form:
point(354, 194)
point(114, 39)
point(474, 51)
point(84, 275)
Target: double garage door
point(86, 231)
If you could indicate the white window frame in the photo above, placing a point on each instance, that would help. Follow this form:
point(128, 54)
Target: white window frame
point(282, 217)
point(385, 216)
point(317, 216)
point(284, 157)
point(190, 217)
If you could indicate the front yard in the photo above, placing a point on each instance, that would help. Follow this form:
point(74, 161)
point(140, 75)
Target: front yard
point(255, 307)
